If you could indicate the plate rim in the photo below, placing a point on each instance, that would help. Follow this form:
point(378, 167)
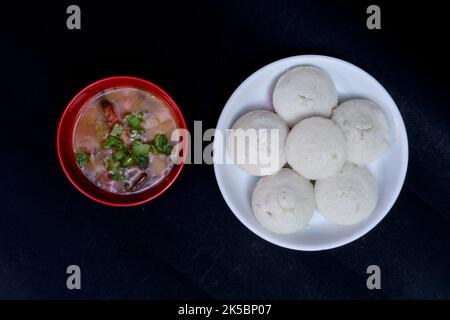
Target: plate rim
point(360, 232)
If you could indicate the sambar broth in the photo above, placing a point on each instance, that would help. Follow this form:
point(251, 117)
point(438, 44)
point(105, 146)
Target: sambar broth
point(122, 140)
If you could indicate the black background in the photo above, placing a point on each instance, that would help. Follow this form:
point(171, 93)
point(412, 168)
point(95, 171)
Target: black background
point(187, 243)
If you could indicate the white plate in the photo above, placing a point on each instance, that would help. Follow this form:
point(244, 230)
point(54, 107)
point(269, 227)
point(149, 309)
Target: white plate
point(390, 169)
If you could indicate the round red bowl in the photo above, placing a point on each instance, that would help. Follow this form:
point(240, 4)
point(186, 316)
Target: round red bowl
point(64, 142)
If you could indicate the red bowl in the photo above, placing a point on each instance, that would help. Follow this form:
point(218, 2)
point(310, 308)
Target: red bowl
point(64, 143)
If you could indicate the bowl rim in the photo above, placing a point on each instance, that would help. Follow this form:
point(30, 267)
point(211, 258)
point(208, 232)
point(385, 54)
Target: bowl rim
point(157, 90)
point(362, 231)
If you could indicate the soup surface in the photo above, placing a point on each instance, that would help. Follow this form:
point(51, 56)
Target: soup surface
point(122, 140)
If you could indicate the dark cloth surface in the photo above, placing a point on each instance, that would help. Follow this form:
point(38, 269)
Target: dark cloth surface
point(187, 243)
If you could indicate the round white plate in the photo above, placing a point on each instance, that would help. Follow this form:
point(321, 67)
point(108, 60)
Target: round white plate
point(389, 170)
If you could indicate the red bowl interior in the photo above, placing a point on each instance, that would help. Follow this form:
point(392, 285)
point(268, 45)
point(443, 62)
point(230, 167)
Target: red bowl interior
point(65, 142)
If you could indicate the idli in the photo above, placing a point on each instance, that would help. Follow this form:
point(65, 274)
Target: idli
point(348, 197)
point(365, 127)
point(284, 202)
point(303, 92)
point(316, 148)
point(256, 143)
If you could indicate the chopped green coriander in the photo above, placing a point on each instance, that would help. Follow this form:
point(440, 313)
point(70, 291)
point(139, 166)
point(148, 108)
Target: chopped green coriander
point(160, 142)
point(111, 164)
point(113, 141)
point(117, 130)
point(119, 155)
point(122, 157)
point(142, 161)
point(168, 149)
point(82, 159)
point(128, 161)
point(140, 149)
point(134, 121)
point(117, 175)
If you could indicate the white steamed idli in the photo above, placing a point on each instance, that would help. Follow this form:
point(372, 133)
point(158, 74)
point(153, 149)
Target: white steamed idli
point(365, 127)
point(303, 92)
point(316, 148)
point(348, 197)
point(284, 202)
point(258, 156)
